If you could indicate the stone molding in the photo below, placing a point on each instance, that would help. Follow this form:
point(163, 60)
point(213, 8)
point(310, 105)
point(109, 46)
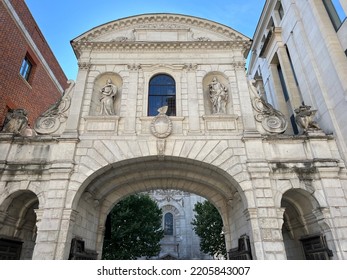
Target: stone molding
point(220, 122)
point(162, 21)
point(163, 46)
point(84, 65)
point(99, 124)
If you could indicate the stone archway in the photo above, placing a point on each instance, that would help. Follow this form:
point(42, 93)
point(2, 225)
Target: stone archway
point(114, 182)
point(305, 233)
point(18, 225)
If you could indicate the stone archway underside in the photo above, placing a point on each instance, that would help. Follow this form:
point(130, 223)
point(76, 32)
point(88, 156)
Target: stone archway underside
point(118, 180)
point(98, 195)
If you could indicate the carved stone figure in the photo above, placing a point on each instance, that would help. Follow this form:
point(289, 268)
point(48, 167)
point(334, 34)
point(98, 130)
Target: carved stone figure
point(218, 94)
point(16, 121)
point(304, 118)
point(108, 93)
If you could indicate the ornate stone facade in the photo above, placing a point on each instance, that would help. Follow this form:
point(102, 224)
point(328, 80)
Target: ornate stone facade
point(281, 190)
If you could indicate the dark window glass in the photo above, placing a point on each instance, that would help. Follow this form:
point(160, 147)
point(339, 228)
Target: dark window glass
point(280, 11)
point(26, 68)
point(162, 92)
point(294, 125)
point(168, 224)
point(283, 83)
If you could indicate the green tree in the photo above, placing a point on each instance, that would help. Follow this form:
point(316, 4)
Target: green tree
point(208, 225)
point(135, 229)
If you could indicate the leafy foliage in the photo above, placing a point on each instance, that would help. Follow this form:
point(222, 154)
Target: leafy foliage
point(135, 229)
point(208, 225)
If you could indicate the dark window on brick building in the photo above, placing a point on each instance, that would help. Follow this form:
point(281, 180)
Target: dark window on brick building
point(26, 68)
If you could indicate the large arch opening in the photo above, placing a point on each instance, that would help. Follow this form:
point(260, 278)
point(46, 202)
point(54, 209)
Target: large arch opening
point(99, 194)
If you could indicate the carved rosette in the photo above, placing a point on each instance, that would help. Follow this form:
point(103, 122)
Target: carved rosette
point(161, 125)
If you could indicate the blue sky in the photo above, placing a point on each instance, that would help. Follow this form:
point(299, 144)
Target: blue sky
point(63, 20)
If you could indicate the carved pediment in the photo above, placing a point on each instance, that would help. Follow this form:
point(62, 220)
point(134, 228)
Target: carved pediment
point(159, 28)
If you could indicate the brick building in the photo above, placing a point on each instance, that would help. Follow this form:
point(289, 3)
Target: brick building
point(30, 76)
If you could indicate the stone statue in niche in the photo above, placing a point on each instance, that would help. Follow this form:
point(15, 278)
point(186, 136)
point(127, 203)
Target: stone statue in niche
point(304, 118)
point(218, 94)
point(108, 93)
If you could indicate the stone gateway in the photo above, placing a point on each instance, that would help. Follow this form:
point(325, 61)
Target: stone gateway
point(280, 196)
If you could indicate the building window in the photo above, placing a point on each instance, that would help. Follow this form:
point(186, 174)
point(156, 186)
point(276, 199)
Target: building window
point(335, 11)
point(280, 10)
point(168, 224)
point(294, 125)
point(283, 83)
point(26, 68)
point(162, 92)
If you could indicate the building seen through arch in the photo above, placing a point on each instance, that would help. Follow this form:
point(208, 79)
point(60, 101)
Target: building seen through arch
point(162, 104)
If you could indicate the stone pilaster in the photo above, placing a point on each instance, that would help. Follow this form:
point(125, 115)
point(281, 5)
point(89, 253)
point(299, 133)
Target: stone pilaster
point(266, 224)
point(131, 102)
point(53, 226)
point(193, 100)
point(244, 93)
point(76, 101)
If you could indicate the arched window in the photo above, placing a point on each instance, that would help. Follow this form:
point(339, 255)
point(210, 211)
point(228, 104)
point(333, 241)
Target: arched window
point(168, 224)
point(162, 92)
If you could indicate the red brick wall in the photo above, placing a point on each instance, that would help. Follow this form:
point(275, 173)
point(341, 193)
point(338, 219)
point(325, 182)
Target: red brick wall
point(37, 95)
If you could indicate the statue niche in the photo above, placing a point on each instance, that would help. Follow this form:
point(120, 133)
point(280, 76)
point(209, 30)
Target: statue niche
point(217, 101)
point(218, 94)
point(106, 95)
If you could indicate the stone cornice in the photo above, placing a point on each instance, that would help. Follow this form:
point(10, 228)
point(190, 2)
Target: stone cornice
point(164, 46)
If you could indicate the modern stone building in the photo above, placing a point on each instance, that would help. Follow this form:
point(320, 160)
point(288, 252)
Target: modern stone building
point(162, 102)
point(298, 57)
point(30, 76)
